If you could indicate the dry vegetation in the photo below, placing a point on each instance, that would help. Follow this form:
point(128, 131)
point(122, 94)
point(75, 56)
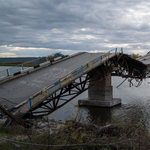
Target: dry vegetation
point(111, 136)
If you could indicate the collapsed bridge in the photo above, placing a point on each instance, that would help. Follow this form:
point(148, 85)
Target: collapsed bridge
point(94, 75)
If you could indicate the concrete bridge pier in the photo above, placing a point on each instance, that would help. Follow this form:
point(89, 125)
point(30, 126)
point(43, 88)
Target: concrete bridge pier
point(100, 94)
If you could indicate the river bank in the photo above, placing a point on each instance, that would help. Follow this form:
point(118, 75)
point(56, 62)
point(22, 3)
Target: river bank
point(74, 134)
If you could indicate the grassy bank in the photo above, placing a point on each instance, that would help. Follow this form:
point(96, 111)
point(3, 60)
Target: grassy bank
point(10, 64)
point(26, 64)
point(125, 135)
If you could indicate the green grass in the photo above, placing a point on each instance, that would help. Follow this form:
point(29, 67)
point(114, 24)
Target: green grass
point(10, 64)
point(27, 64)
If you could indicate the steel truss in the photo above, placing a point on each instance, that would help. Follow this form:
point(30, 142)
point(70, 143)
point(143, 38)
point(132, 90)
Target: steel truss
point(69, 92)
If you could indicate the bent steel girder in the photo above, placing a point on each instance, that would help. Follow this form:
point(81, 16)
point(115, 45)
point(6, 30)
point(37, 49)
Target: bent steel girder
point(130, 68)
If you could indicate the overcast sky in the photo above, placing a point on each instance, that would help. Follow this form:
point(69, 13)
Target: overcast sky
point(43, 27)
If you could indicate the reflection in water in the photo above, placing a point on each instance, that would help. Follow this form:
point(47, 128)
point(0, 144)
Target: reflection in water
point(135, 102)
point(134, 108)
point(97, 113)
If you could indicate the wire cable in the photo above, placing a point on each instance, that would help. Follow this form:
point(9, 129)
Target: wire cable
point(84, 144)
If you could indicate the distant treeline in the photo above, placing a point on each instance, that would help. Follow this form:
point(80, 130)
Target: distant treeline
point(18, 59)
point(135, 56)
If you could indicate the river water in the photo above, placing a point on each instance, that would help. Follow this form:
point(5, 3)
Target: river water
point(4, 67)
point(135, 105)
point(134, 108)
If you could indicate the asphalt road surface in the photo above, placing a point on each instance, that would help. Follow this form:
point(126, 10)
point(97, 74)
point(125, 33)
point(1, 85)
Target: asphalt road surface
point(15, 91)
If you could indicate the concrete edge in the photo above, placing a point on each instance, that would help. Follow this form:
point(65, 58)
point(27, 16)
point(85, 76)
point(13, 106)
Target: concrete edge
point(99, 103)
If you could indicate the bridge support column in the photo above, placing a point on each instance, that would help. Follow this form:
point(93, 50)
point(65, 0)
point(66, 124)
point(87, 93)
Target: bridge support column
point(100, 94)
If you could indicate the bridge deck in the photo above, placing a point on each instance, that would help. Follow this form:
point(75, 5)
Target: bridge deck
point(20, 89)
point(64, 80)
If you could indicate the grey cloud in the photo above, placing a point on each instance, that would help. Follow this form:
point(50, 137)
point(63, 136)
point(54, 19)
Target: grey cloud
point(57, 24)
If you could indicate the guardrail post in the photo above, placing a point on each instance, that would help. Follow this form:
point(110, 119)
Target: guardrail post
point(100, 59)
point(22, 67)
point(59, 82)
point(46, 91)
point(82, 69)
point(30, 102)
point(121, 50)
point(106, 56)
point(35, 62)
point(71, 76)
point(7, 72)
point(116, 51)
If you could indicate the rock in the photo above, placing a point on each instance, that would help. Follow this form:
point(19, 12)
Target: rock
point(108, 129)
point(42, 124)
point(2, 121)
point(16, 145)
point(52, 123)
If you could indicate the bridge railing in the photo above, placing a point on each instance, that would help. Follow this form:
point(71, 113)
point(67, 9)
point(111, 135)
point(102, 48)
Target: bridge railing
point(88, 66)
point(28, 65)
point(77, 72)
point(14, 69)
point(69, 77)
point(53, 87)
point(24, 67)
point(97, 61)
point(66, 78)
point(4, 73)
